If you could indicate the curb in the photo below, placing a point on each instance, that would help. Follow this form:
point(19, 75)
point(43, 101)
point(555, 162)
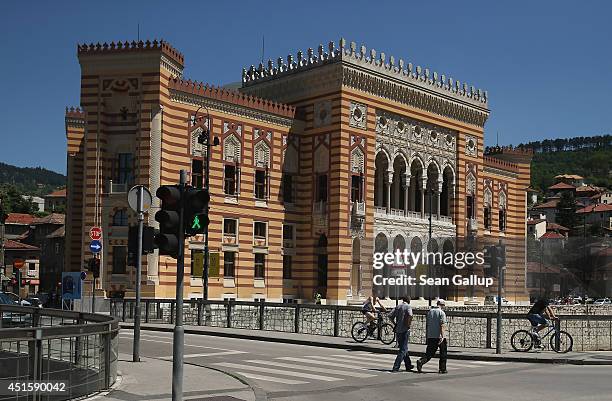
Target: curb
point(356, 347)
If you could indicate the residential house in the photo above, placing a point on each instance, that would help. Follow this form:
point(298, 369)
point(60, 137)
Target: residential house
point(56, 201)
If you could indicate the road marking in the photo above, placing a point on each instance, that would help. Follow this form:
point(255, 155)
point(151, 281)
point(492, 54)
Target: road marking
point(318, 369)
point(278, 372)
point(325, 363)
point(169, 358)
point(486, 362)
point(270, 378)
point(354, 363)
point(368, 359)
point(145, 337)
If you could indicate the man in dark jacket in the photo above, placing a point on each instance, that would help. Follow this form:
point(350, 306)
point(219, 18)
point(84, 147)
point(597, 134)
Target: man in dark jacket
point(402, 316)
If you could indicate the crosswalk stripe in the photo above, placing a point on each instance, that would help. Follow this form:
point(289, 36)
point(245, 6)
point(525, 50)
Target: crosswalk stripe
point(487, 363)
point(270, 378)
point(322, 362)
point(147, 337)
point(318, 369)
point(368, 358)
point(169, 358)
point(278, 372)
point(355, 363)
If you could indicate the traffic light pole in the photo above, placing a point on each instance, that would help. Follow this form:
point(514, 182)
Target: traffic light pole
point(500, 281)
point(206, 185)
point(179, 330)
point(140, 211)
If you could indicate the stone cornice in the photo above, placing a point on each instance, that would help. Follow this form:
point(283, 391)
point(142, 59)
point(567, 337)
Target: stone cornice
point(371, 74)
point(503, 173)
point(229, 108)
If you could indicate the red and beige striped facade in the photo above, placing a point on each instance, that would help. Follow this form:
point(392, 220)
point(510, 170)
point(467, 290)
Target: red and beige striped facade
point(322, 159)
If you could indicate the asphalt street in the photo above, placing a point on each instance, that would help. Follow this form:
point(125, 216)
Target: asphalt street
point(301, 373)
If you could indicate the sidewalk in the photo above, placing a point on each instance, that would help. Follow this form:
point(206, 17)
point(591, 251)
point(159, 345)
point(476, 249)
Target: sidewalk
point(574, 358)
point(151, 379)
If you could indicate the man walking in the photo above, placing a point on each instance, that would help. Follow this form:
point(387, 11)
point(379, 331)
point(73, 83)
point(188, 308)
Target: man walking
point(436, 322)
point(402, 316)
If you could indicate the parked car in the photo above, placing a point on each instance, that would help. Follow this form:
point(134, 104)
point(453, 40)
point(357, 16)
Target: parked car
point(15, 298)
point(603, 301)
point(13, 319)
point(35, 302)
point(492, 300)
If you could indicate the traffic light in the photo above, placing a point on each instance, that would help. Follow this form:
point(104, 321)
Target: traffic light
point(167, 240)
point(148, 242)
point(18, 278)
point(95, 267)
point(490, 260)
point(196, 211)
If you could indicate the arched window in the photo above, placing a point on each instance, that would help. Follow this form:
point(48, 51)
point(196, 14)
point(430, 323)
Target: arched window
point(502, 211)
point(488, 202)
point(120, 218)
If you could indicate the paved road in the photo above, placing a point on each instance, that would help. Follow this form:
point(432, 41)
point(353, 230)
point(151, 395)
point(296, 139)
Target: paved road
point(301, 373)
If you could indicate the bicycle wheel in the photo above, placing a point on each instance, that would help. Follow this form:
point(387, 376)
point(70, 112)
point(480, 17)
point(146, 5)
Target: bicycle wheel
point(565, 342)
point(521, 341)
point(387, 334)
point(359, 332)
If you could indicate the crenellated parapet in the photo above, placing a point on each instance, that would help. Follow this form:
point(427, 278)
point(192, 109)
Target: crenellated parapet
point(232, 97)
point(75, 116)
point(397, 69)
point(133, 46)
point(509, 154)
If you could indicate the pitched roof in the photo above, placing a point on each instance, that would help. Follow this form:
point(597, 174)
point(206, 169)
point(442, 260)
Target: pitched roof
point(534, 221)
point(562, 185)
point(556, 227)
point(600, 207)
point(569, 176)
point(53, 218)
point(59, 233)
point(60, 193)
point(547, 205)
point(552, 235)
point(19, 218)
point(10, 244)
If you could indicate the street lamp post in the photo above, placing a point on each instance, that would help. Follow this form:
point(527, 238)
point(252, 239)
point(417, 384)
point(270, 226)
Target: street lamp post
point(429, 192)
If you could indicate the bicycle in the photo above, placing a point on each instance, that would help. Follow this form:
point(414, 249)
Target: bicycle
point(385, 332)
point(524, 340)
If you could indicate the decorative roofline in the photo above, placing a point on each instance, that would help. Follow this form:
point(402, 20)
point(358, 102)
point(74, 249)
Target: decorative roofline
point(133, 46)
point(508, 150)
point(501, 164)
point(75, 113)
point(231, 96)
point(400, 70)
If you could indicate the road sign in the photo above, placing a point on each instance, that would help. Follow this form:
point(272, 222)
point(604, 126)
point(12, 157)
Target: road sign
point(95, 233)
point(95, 246)
point(83, 275)
point(71, 285)
point(18, 263)
point(133, 198)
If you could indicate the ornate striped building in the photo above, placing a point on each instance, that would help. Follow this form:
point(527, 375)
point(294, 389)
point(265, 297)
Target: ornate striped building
point(324, 158)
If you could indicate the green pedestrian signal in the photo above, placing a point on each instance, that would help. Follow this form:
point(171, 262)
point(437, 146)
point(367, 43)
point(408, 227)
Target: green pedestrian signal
point(196, 211)
point(196, 223)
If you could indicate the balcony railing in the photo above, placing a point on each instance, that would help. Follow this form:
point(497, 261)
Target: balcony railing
point(358, 208)
point(229, 239)
point(117, 188)
point(472, 225)
point(319, 207)
point(260, 241)
point(400, 214)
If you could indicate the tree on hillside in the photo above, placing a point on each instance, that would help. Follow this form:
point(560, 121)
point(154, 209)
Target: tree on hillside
point(13, 202)
point(566, 210)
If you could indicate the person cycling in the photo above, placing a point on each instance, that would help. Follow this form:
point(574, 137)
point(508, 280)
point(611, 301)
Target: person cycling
point(537, 317)
point(369, 308)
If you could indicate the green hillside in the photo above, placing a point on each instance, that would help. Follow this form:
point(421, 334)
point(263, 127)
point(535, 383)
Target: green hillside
point(36, 181)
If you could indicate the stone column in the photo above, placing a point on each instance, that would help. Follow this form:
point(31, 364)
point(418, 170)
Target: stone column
point(423, 189)
point(438, 194)
point(406, 192)
point(389, 183)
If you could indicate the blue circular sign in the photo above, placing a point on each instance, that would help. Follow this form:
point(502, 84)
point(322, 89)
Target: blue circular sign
point(83, 275)
point(95, 246)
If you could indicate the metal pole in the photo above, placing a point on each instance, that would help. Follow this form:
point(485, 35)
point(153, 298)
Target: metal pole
point(500, 281)
point(428, 258)
point(140, 211)
point(93, 295)
point(206, 185)
point(179, 331)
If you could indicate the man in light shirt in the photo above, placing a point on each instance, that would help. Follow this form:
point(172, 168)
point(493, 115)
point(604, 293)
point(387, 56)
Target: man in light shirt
point(436, 338)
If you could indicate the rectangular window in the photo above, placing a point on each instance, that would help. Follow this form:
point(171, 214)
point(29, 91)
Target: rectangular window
point(322, 188)
point(288, 232)
point(197, 173)
point(287, 267)
point(288, 188)
point(259, 229)
point(230, 227)
point(31, 266)
point(229, 264)
point(469, 201)
point(230, 180)
point(502, 219)
point(487, 217)
point(260, 265)
point(197, 263)
point(119, 259)
point(355, 188)
point(125, 166)
point(260, 184)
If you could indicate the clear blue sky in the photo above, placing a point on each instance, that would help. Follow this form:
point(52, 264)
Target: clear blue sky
point(547, 65)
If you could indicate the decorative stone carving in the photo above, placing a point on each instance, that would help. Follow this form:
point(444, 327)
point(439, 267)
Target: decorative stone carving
point(502, 200)
point(197, 149)
point(232, 149)
point(470, 184)
point(291, 160)
point(357, 161)
point(488, 197)
point(358, 115)
point(322, 113)
point(471, 146)
point(262, 154)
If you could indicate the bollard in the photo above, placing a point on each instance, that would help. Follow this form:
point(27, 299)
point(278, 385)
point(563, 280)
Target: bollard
point(337, 320)
point(489, 329)
point(296, 322)
point(261, 314)
point(199, 312)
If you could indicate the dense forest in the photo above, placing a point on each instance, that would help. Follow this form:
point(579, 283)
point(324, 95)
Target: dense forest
point(35, 181)
point(589, 157)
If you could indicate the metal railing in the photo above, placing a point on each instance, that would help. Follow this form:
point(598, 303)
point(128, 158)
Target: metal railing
point(469, 329)
point(80, 349)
